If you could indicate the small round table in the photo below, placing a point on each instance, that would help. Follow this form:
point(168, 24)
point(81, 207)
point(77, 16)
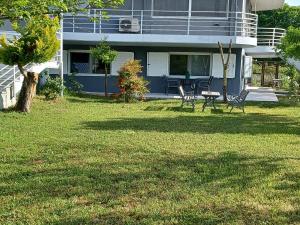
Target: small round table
point(210, 98)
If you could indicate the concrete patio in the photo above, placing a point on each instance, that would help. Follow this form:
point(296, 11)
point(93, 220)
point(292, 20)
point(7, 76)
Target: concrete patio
point(257, 94)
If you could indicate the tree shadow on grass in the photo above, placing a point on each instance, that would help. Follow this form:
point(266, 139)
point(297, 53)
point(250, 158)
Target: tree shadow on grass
point(217, 123)
point(122, 188)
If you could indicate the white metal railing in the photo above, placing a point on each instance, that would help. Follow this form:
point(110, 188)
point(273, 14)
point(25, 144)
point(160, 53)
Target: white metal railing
point(165, 22)
point(270, 36)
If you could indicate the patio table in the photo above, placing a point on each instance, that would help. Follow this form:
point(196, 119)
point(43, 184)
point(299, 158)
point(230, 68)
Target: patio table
point(210, 98)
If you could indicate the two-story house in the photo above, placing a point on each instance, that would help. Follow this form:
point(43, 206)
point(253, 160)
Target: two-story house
point(170, 37)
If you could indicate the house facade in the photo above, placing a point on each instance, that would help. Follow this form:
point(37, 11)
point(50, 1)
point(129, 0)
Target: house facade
point(171, 38)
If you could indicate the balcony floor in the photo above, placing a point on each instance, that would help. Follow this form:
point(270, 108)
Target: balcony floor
point(159, 40)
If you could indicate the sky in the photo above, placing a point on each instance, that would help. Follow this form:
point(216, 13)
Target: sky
point(293, 2)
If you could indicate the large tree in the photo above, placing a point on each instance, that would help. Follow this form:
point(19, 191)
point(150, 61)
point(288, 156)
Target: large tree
point(37, 42)
point(290, 44)
point(281, 18)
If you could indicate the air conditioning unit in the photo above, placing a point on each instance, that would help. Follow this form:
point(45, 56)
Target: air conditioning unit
point(129, 25)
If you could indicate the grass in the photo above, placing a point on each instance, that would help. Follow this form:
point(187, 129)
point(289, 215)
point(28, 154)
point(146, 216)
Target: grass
point(93, 161)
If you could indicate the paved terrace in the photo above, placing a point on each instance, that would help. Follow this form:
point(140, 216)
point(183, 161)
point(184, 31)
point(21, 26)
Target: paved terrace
point(256, 94)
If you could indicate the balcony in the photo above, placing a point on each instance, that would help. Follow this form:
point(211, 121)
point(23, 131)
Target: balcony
point(197, 28)
point(267, 40)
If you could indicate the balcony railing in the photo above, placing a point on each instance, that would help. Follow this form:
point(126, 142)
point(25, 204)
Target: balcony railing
point(270, 37)
point(164, 22)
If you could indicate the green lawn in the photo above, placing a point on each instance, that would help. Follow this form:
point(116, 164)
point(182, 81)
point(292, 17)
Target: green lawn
point(91, 161)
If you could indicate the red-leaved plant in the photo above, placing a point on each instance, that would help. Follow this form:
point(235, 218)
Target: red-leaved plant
point(131, 85)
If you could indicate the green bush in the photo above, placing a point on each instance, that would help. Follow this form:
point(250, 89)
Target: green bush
point(53, 88)
point(293, 77)
point(75, 87)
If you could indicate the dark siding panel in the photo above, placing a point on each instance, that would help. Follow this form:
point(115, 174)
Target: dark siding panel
point(157, 84)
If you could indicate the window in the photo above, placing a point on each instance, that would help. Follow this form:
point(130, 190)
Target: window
point(197, 8)
point(195, 65)
point(83, 63)
point(213, 8)
point(161, 8)
point(178, 64)
point(80, 62)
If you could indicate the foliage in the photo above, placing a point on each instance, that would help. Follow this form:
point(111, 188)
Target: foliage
point(74, 86)
point(38, 42)
point(104, 53)
point(282, 18)
point(294, 80)
point(290, 44)
point(26, 9)
point(53, 88)
point(130, 84)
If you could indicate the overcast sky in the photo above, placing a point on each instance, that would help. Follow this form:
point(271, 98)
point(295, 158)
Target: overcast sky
point(293, 2)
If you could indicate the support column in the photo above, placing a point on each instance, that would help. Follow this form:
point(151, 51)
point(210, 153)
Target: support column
point(277, 71)
point(263, 72)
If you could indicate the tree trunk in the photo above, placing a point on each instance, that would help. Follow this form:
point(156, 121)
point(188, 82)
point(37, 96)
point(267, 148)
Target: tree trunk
point(105, 82)
point(28, 91)
point(225, 85)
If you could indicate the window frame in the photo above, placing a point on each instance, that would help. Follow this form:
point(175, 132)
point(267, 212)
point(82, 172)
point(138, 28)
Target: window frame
point(90, 65)
point(188, 54)
point(190, 13)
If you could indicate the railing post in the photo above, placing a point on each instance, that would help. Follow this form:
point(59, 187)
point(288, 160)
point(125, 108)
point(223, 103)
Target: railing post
point(14, 83)
point(100, 22)
point(142, 20)
point(189, 25)
point(273, 37)
point(94, 21)
point(73, 23)
point(235, 25)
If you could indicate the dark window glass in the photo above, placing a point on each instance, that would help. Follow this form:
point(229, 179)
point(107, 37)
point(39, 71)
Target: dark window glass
point(213, 8)
point(80, 62)
point(170, 7)
point(195, 65)
point(199, 65)
point(178, 64)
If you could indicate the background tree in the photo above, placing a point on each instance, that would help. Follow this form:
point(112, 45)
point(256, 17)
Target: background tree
point(37, 42)
point(106, 55)
point(225, 63)
point(25, 9)
point(290, 44)
point(281, 18)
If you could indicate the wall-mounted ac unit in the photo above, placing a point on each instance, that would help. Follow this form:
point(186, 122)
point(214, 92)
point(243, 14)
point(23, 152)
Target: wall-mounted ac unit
point(129, 25)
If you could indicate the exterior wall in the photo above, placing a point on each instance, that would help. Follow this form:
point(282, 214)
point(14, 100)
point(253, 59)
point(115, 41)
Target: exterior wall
point(206, 23)
point(95, 83)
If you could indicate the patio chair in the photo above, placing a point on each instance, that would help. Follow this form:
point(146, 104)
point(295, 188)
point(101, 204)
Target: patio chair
point(187, 97)
point(204, 85)
point(238, 101)
point(171, 84)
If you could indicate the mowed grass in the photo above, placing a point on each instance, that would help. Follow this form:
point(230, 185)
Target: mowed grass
point(94, 161)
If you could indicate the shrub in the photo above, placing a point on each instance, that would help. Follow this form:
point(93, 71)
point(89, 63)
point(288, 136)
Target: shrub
point(53, 88)
point(130, 84)
point(293, 80)
point(75, 87)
